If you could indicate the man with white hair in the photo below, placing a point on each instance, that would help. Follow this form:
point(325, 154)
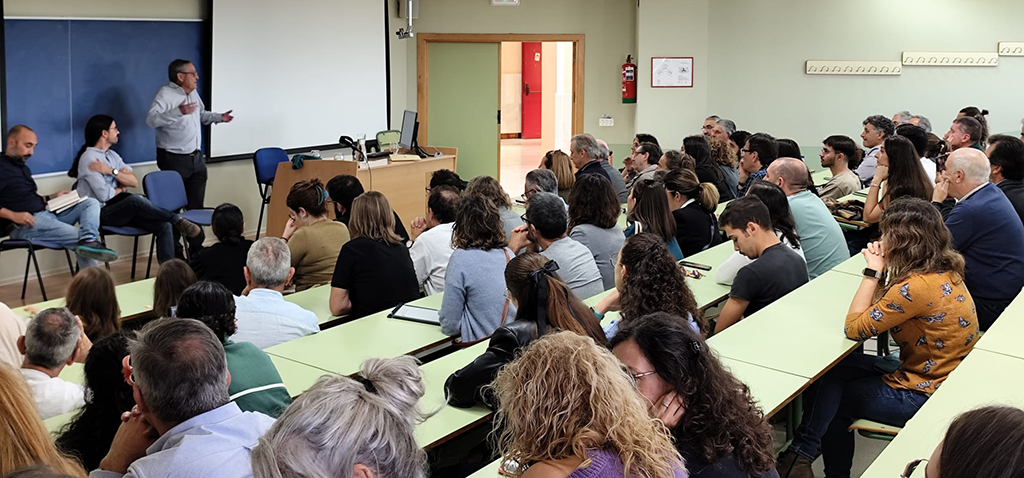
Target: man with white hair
point(52, 340)
point(901, 117)
point(820, 236)
point(921, 121)
point(723, 129)
point(585, 153)
point(617, 182)
point(184, 423)
point(985, 230)
point(709, 125)
point(264, 318)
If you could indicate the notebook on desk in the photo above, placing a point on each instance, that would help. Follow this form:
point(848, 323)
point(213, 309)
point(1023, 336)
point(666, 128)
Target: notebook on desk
point(405, 157)
point(414, 313)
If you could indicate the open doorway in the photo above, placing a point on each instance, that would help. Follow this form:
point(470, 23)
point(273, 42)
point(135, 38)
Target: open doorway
point(536, 106)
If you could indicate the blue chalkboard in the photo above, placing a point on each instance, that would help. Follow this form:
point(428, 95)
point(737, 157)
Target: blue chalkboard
point(61, 72)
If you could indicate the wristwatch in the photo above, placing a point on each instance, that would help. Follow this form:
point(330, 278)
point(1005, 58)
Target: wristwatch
point(114, 174)
point(871, 273)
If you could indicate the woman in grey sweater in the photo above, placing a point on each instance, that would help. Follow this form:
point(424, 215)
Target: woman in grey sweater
point(593, 221)
point(475, 303)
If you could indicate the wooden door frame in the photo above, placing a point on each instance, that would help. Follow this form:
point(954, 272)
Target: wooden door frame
point(423, 60)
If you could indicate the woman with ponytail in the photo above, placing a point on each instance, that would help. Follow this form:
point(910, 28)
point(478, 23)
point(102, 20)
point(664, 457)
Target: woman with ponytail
point(223, 262)
point(313, 238)
point(350, 427)
point(693, 206)
point(544, 304)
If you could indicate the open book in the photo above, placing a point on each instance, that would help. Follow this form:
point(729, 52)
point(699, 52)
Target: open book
point(58, 205)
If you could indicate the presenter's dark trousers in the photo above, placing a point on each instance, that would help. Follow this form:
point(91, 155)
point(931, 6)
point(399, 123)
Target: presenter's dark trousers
point(192, 168)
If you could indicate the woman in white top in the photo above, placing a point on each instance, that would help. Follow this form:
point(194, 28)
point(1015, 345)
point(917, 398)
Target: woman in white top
point(782, 221)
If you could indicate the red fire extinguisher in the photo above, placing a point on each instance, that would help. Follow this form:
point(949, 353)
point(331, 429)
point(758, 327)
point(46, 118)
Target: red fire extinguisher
point(629, 80)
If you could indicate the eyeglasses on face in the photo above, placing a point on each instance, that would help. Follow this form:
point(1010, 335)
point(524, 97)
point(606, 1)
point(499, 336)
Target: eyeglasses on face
point(638, 376)
point(909, 469)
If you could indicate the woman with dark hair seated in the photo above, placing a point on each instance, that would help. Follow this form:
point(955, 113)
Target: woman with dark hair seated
point(255, 384)
point(716, 424)
point(593, 221)
point(544, 304)
point(223, 262)
point(648, 212)
point(89, 435)
point(987, 441)
point(648, 280)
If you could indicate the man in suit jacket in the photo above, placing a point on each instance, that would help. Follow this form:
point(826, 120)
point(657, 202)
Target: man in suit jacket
point(986, 230)
point(1006, 155)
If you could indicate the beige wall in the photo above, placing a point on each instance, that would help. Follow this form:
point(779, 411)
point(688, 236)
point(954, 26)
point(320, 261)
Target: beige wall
point(609, 26)
point(672, 28)
point(757, 52)
point(182, 9)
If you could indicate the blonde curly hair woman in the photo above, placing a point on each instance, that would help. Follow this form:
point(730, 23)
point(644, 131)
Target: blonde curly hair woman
point(569, 410)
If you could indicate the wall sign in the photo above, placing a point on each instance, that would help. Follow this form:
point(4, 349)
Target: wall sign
point(672, 72)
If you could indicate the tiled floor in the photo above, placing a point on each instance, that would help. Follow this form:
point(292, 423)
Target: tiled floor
point(518, 157)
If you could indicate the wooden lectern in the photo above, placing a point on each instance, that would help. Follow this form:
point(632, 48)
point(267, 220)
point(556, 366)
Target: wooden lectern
point(404, 183)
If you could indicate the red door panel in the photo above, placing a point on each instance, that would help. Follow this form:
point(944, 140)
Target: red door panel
point(532, 78)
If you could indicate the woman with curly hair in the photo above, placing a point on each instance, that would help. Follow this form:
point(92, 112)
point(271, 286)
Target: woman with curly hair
point(567, 409)
point(707, 170)
point(648, 280)
point(727, 159)
point(544, 304)
point(475, 303)
point(490, 189)
point(914, 288)
point(718, 427)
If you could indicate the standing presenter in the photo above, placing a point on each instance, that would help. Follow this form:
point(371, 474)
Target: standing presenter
point(178, 114)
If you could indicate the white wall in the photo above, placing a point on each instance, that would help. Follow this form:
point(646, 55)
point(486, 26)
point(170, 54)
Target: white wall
point(757, 51)
point(511, 87)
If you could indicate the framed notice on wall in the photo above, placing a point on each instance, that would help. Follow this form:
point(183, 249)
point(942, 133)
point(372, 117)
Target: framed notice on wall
point(672, 72)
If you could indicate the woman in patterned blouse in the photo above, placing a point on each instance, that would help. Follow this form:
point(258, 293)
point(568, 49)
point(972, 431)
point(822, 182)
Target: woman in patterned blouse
point(923, 303)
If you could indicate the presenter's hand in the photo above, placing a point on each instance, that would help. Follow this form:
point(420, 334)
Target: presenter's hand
point(227, 117)
point(23, 219)
point(187, 108)
point(100, 167)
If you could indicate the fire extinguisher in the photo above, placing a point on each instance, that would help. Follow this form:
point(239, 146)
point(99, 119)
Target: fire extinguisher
point(629, 80)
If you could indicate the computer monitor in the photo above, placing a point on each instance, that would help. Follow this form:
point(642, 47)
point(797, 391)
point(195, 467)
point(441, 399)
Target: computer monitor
point(410, 125)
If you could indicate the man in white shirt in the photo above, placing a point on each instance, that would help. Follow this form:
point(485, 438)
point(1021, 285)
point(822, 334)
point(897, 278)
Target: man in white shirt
point(264, 318)
point(178, 115)
point(432, 239)
point(876, 129)
point(52, 340)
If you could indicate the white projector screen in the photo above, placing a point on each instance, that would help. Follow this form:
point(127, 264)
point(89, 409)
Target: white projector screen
point(298, 73)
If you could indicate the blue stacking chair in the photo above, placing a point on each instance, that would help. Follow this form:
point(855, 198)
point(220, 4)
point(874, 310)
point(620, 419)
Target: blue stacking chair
point(135, 233)
point(32, 246)
point(166, 189)
point(265, 160)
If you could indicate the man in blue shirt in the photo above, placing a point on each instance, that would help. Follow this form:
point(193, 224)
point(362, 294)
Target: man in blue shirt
point(986, 230)
point(23, 213)
point(183, 424)
point(103, 175)
point(756, 154)
point(264, 318)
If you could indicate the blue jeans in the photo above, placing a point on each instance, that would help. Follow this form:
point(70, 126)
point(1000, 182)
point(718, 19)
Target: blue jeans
point(60, 228)
point(852, 389)
point(136, 211)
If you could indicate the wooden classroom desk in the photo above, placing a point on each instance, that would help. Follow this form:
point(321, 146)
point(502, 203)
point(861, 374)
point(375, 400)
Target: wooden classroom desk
point(404, 183)
point(973, 384)
point(343, 348)
point(449, 421)
point(803, 330)
point(134, 298)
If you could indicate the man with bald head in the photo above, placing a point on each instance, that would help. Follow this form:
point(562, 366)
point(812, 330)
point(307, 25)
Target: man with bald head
point(820, 236)
point(985, 230)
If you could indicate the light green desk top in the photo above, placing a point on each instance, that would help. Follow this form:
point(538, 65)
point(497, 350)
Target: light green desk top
point(316, 300)
point(343, 348)
point(970, 386)
point(74, 373)
point(821, 177)
point(853, 266)
point(708, 292)
point(721, 208)
point(134, 299)
point(1006, 334)
point(449, 421)
point(297, 377)
point(803, 330)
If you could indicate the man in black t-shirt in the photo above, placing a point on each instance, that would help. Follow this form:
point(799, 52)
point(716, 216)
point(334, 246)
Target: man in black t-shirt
point(777, 270)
